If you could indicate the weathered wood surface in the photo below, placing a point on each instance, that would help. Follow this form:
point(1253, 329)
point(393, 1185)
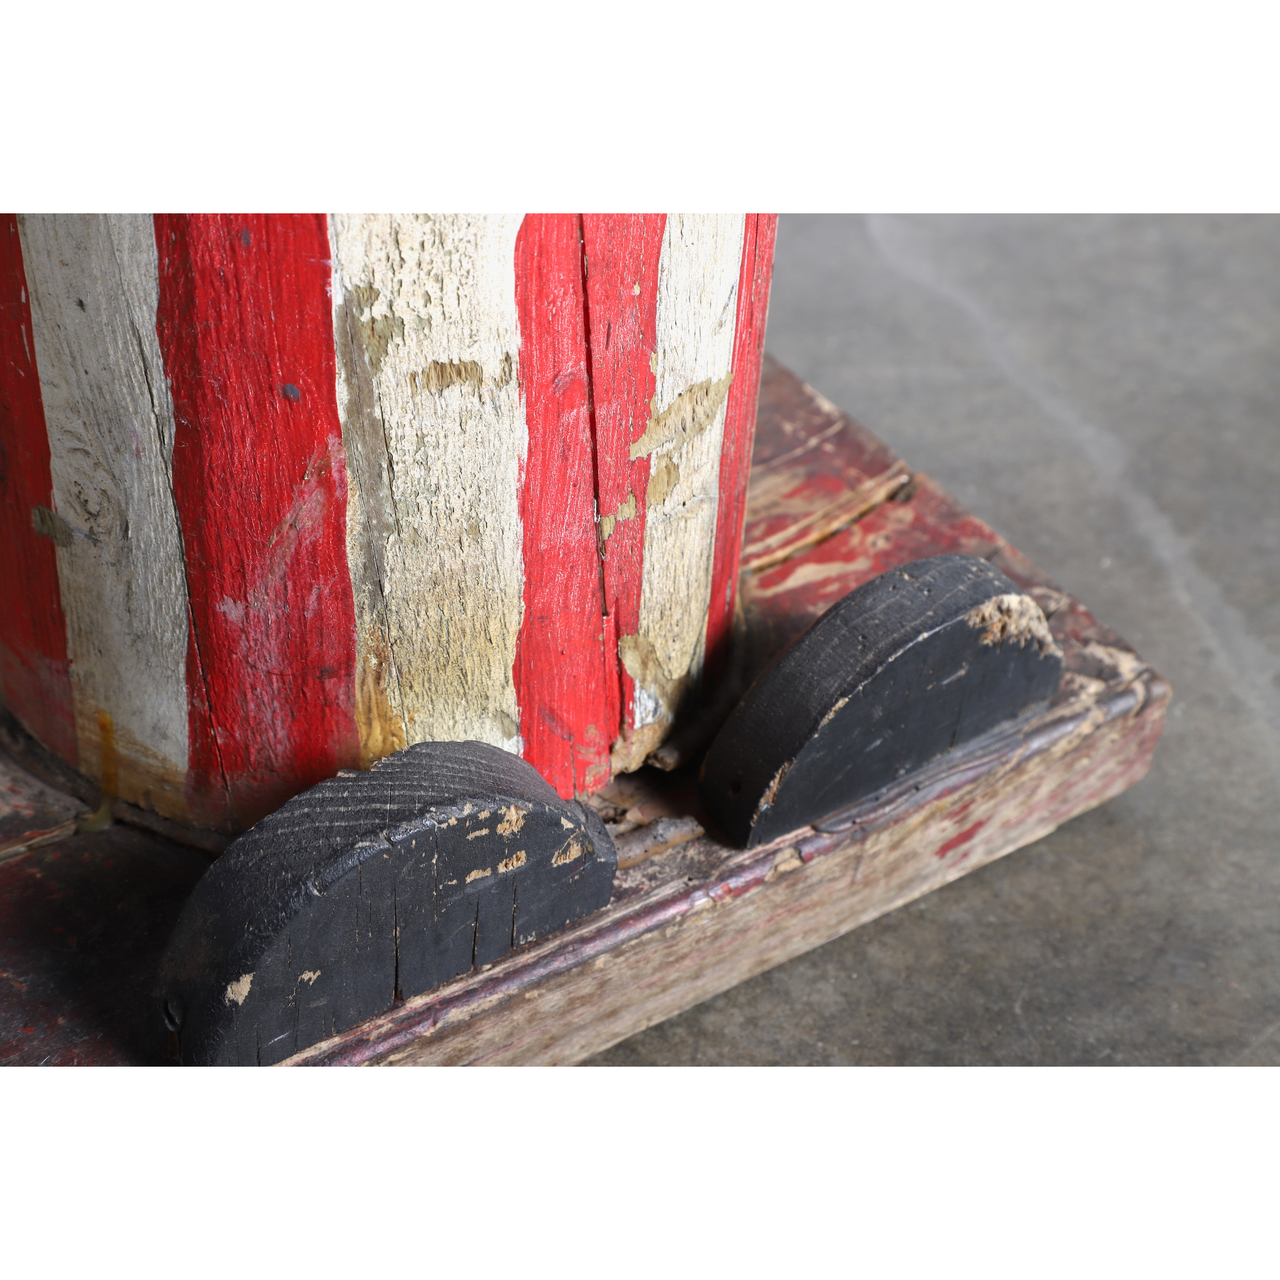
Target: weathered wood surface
point(693, 372)
point(691, 917)
point(701, 918)
point(93, 284)
point(40, 763)
point(433, 300)
point(32, 813)
point(370, 888)
point(739, 437)
point(902, 670)
point(314, 489)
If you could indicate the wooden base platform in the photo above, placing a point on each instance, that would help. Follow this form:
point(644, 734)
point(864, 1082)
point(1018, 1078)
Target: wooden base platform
point(830, 507)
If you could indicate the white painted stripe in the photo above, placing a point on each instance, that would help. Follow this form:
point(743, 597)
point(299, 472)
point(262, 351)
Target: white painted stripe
point(93, 286)
point(428, 337)
point(696, 315)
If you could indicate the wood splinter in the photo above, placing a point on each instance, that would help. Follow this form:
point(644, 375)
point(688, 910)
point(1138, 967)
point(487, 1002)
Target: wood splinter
point(897, 673)
point(371, 888)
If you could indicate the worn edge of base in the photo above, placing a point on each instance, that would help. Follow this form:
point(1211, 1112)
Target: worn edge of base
point(442, 1027)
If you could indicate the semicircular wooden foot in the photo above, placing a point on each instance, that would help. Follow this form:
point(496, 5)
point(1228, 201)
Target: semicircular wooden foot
point(371, 888)
point(911, 664)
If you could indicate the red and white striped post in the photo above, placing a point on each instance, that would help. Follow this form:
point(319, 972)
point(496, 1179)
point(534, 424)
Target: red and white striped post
point(280, 495)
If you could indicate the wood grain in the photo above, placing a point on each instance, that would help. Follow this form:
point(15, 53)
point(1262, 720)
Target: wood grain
point(259, 480)
point(759, 234)
point(320, 488)
point(622, 253)
point(904, 669)
point(691, 917)
point(431, 299)
point(372, 887)
point(564, 674)
point(34, 671)
point(109, 416)
point(702, 919)
point(695, 324)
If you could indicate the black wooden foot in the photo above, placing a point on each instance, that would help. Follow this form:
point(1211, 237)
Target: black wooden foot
point(372, 888)
point(903, 669)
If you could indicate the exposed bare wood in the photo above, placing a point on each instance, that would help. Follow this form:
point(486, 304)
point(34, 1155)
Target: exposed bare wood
point(433, 300)
point(690, 916)
point(697, 296)
point(110, 420)
point(701, 918)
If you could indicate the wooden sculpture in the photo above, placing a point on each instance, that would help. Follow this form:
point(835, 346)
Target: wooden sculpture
point(384, 552)
point(284, 494)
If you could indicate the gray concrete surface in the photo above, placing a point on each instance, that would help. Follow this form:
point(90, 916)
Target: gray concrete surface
point(1106, 393)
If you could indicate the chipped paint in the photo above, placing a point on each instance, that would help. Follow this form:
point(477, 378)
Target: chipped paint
point(1125, 664)
point(687, 416)
point(1014, 618)
point(775, 496)
point(479, 874)
point(787, 859)
point(438, 546)
point(831, 715)
point(695, 323)
point(440, 374)
point(625, 511)
point(513, 817)
point(663, 478)
point(238, 991)
point(656, 695)
point(570, 851)
point(771, 791)
point(517, 859)
point(808, 573)
point(381, 725)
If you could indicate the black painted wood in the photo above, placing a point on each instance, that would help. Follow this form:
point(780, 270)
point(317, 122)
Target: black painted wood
point(371, 888)
point(906, 667)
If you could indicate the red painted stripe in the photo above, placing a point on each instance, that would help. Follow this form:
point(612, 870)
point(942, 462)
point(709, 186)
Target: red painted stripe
point(568, 703)
point(34, 675)
point(259, 478)
point(739, 431)
point(622, 255)
point(963, 838)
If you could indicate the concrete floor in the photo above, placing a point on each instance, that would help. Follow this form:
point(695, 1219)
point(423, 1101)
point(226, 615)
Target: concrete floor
point(1106, 393)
